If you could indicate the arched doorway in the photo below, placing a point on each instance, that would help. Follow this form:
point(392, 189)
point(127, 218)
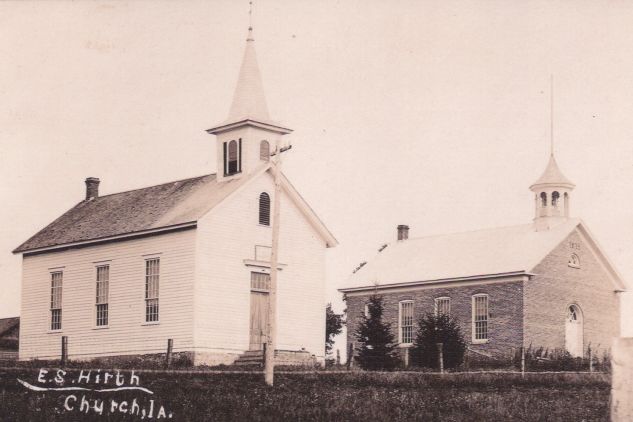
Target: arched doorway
point(573, 331)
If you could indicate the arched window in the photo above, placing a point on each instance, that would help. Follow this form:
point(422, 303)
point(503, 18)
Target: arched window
point(232, 157)
point(543, 199)
point(264, 209)
point(566, 204)
point(574, 261)
point(264, 151)
point(555, 196)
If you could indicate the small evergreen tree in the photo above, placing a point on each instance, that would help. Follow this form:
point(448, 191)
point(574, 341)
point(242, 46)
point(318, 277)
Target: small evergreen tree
point(433, 329)
point(377, 345)
point(333, 326)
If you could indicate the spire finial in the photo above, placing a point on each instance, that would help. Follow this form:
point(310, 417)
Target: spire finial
point(250, 22)
point(551, 117)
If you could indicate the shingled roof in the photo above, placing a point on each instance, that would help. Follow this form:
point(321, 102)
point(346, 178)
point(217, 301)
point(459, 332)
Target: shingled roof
point(162, 206)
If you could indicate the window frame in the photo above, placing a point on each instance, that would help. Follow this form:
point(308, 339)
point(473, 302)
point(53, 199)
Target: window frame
point(474, 338)
point(60, 307)
point(442, 298)
point(95, 318)
point(146, 299)
point(227, 154)
point(255, 274)
point(401, 326)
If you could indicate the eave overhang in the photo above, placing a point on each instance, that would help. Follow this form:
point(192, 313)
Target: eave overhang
point(90, 242)
point(500, 277)
point(273, 127)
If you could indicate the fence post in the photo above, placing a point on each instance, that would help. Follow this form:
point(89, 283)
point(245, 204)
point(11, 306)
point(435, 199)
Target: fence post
point(440, 356)
point(406, 357)
point(64, 350)
point(621, 386)
point(338, 357)
point(170, 347)
point(264, 346)
point(350, 355)
point(590, 361)
point(522, 362)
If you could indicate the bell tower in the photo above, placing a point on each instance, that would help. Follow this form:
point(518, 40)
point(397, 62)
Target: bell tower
point(248, 136)
point(552, 195)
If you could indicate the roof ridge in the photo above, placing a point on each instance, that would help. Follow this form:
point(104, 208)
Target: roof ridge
point(468, 231)
point(153, 186)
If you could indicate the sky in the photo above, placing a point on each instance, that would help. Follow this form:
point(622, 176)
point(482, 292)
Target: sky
point(434, 114)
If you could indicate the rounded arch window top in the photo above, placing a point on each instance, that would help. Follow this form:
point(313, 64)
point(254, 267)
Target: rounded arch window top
point(573, 313)
point(555, 198)
point(574, 261)
point(543, 199)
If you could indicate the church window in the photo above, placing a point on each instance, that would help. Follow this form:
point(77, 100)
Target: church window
point(480, 318)
point(232, 157)
point(152, 274)
point(264, 151)
point(555, 197)
point(443, 306)
point(543, 199)
point(574, 261)
point(264, 209)
point(103, 282)
point(406, 322)
point(56, 300)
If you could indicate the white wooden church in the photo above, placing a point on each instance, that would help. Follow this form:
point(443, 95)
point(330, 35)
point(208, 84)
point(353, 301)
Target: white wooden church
point(187, 260)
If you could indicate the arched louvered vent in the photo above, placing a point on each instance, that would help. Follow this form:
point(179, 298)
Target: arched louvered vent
point(264, 209)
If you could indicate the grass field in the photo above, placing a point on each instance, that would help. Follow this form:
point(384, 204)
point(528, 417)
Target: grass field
point(327, 396)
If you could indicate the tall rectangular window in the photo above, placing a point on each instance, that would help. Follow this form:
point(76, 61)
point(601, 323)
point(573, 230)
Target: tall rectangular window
point(152, 272)
point(480, 318)
point(56, 300)
point(443, 306)
point(406, 322)
point(103, 281)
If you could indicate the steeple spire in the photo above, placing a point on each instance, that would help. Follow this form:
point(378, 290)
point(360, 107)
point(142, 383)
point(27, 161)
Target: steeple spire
point(249, 101)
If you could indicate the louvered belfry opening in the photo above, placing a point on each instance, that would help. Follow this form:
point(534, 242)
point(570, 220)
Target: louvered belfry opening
point(264, 151)
point(264, 209)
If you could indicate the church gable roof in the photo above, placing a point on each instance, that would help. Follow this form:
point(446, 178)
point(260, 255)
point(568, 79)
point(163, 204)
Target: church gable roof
point(474, 254)
point(162, 206)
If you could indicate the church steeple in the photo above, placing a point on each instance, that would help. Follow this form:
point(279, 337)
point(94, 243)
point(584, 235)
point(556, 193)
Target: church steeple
point(248, 136)
point(249, 101)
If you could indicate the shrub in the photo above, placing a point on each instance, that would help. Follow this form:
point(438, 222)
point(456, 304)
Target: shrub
point(433, 329)
point(377, 345)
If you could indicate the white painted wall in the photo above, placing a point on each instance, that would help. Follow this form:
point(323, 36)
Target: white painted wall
point(126, 333)
point(626, 314)
point(226, 237)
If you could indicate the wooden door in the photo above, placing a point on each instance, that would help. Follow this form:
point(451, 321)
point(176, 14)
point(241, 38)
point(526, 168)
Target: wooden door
point(259, 320)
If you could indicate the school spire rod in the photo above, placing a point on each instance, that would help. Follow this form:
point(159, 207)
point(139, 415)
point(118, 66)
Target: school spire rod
point(250, 20)
point(551, 112)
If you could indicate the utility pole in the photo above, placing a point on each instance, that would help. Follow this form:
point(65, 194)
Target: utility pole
point(269, 358)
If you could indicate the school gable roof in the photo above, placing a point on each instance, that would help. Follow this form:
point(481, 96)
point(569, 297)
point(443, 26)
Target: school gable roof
point(470, 255)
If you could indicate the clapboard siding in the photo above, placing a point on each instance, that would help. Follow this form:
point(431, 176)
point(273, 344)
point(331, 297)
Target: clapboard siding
point(126, 333)
point(226, 237)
